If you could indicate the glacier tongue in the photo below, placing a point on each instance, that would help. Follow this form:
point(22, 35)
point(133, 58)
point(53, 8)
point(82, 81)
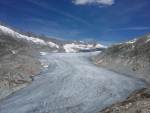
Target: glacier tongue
point(71, 84)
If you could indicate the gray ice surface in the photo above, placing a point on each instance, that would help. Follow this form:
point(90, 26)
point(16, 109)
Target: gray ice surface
point(71, 84)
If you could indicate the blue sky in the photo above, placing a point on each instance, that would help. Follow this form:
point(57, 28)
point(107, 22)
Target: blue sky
point(107, 21)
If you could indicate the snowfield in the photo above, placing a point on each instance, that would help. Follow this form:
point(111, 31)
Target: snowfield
point(71, 84)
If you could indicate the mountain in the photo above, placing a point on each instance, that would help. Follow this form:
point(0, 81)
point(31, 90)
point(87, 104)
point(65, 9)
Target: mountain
point(32, 41)
point(50, 44)
point(132, 59)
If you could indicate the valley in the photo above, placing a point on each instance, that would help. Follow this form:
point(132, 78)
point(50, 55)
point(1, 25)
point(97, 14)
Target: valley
point(70, 83)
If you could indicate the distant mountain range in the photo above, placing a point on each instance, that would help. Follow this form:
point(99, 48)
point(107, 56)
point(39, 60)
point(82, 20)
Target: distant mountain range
point(53, 45)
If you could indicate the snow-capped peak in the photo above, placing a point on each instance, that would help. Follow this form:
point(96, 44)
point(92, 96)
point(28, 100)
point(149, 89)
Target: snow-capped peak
point(52, 44)
point(74, 47)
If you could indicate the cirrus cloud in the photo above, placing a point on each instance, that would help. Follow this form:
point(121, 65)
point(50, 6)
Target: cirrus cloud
point(99, 2)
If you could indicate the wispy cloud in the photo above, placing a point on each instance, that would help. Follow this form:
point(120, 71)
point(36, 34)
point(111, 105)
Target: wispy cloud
point(130, 28)
point(99, 2)
point(52, 28)
point(60, 12)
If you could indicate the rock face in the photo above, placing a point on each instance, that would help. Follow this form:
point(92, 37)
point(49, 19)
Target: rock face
point(130, 58)
point(133, 59)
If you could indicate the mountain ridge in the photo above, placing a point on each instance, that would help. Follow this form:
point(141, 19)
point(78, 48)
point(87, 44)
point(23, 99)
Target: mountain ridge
point(131, 58)
point(55, 44)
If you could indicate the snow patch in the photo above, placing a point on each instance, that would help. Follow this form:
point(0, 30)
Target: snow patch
point(52, 44)
point(81, 41)
point(148, 38)
point(100, 46)
point(69, 48)
point(132, 41)
point(13, 52)
point(43, 53)
point(44, 63)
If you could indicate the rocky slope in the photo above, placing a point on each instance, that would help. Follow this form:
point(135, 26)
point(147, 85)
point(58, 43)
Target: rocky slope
point(132, 59)
point(17, 65)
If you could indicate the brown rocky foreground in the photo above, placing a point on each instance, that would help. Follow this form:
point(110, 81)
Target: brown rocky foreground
point(138, 102)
